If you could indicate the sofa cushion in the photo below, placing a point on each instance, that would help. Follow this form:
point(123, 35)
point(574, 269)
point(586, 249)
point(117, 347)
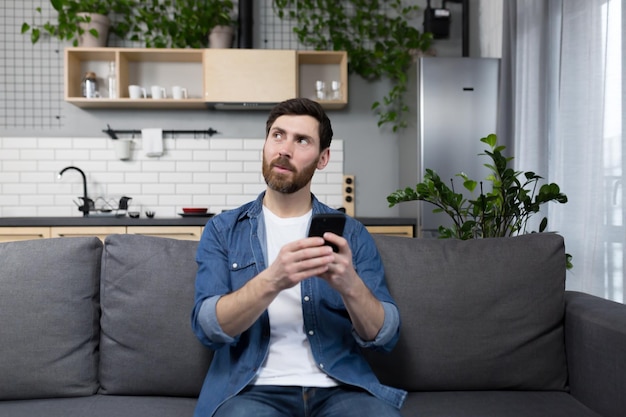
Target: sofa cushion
point(482, 314)
point(49, 317)
point(147, 293)
point(101, 406)
point(494, 404)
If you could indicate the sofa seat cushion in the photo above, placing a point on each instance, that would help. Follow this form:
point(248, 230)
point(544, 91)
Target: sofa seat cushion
point(101, 406)
point(147, 346)
point(494, 404)
point(483, 314)
point(49, 317)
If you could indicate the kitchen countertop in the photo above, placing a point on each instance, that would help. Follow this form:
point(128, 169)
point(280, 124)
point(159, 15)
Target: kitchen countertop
point(157, 221)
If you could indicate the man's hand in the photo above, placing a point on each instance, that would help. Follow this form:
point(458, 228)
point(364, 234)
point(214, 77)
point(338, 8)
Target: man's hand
point(365, 310)
point(295, 262)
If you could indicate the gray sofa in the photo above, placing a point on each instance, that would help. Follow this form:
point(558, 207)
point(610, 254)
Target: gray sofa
point(488, 330)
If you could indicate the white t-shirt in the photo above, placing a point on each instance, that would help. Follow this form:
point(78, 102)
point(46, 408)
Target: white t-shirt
point(289, 360)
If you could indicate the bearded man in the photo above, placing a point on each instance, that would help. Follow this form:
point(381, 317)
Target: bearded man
point(287, 316)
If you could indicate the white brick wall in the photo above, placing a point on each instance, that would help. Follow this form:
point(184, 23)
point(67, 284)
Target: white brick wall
point(216, 173)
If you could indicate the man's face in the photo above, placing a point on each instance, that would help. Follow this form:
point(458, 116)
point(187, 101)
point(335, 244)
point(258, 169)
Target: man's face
point(291, 153)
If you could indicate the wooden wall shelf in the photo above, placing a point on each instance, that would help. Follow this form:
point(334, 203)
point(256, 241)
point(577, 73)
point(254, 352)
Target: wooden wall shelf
point(224, 76)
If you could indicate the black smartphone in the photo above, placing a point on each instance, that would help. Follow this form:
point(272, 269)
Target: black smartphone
point(327, 222)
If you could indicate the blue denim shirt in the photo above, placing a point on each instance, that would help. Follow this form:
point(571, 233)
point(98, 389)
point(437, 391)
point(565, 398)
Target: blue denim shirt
point(231, 252)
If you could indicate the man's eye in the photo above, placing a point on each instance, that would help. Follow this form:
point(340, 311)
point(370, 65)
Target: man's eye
point(303, 141)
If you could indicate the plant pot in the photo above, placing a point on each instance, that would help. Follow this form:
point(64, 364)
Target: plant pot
point(221, 37)
point(101, 24)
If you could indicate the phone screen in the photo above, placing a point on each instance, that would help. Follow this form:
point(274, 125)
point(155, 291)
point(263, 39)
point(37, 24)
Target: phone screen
point(328, 222)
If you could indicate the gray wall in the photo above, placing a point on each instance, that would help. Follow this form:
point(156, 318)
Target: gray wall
point(370, 153)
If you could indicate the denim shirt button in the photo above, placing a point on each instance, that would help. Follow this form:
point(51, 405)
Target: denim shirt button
point(235, 265)
point(321, 366)
point(306, 298)
point(311, 332)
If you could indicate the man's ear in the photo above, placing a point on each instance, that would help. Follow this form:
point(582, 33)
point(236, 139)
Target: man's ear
point(324, 159)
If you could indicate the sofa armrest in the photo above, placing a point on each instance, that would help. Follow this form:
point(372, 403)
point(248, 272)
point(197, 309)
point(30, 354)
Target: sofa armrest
point(595, 341)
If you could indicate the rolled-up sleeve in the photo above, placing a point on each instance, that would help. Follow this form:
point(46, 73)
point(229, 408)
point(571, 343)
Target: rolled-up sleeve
point(207, 318)
point(388, 330)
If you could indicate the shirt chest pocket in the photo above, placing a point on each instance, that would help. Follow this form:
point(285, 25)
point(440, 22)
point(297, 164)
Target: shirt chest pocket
point(242, 269)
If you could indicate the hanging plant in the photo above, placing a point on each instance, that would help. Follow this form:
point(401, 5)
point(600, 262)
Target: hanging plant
point(178, 23)
point(68, 23)
point(380, 42)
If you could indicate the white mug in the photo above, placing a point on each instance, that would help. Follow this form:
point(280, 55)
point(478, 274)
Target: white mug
point(135, 91)
point(178, 92)
point(158, 92)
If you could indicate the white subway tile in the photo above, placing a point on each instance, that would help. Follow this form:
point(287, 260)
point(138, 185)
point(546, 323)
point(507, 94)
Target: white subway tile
point(243, 156)
point(19, 166)
point(35, 177)
point(250, 144)
point(240, 177)
point(234, 166)
point(209, 177)
point(233, 201)
point(225, 189)
point(141, 177)
point(19, 143)
point(158, 188)
point(193, 189)
point(9, 154)
point(226, 143)
point(20, 189)
point(8, 177)
point(55, 143)
point(72, 154)
point(192, 166)
point(211, 155)
point(158, 166)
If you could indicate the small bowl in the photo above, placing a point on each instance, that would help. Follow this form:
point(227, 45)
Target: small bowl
point(149, 214)
point(190, 210)
point(133, 214)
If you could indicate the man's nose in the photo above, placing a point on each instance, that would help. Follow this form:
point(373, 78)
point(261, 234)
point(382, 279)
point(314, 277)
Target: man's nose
point(286, 149)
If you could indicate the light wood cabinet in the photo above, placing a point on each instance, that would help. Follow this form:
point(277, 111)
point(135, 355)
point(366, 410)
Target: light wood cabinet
point(172, 232)
point(400, 230)
point(224, 76)
point(249, 75)
point(12, 234)
point(100, 232)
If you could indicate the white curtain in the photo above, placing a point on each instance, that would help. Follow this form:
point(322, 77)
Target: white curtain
point(561, 112)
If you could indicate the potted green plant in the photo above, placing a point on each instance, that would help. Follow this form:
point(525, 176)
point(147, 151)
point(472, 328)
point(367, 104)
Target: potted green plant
point(179, 23)
point(379, 43)
point(82, 22)
point(515, 196)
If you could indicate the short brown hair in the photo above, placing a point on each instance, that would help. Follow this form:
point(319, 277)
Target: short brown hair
point(303, 107)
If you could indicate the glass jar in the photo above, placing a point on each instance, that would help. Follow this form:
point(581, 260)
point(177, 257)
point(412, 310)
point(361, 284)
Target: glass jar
point(90, 85)
point(112, 81)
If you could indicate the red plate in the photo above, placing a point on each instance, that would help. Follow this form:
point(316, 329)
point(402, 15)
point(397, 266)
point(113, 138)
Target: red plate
point(189, 210)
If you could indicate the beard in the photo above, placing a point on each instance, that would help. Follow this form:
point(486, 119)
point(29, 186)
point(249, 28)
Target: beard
point(281, 182)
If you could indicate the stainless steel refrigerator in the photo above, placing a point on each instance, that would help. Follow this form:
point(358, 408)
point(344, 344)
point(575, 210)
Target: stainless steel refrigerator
point(453, 103)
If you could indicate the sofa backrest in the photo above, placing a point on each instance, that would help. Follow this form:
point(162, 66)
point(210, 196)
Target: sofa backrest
point(147, 346)
point(49, 317)
point(484, 314)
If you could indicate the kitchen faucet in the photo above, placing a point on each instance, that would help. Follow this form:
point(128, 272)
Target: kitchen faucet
point(87, 202)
